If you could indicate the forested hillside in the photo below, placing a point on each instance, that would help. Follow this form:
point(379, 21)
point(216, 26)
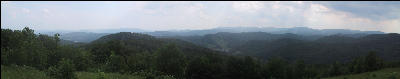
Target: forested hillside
point(313, 49)
point(143, 56)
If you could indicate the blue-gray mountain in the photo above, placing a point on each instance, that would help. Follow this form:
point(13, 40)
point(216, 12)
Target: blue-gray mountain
point(295, 30)
point(88, 37)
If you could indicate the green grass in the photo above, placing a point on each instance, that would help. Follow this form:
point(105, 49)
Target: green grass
point(26, 72)
point(388, 73)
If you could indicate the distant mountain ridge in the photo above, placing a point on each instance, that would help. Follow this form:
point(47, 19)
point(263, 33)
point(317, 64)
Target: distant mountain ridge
point(294, 30)
point(90, 36)
point(84, 37)
point(51, 32)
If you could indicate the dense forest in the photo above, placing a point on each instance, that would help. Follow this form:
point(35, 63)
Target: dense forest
point(256, 55)
point(310, 48)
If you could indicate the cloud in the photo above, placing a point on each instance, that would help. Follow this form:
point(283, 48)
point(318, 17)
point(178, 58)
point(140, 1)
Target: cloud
point(25, 10)
point(319, 16)
point(201, 15)
point(47, 12)
point(374, 10)
point(248, 6)
point(391, 26)
point(4, 3)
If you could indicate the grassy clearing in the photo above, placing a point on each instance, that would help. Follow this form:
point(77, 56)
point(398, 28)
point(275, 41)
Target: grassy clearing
point(388, 73)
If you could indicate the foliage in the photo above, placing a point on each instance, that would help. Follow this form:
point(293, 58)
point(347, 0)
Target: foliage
point(171, 61)
point(64, 70)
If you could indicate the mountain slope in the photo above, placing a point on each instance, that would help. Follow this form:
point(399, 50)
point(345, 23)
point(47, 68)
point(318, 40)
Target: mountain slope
point(225, 41)
point(137, 42)
point(315, 49)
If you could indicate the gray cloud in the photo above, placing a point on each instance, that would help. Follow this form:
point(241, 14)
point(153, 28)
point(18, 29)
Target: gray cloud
point(375, 10)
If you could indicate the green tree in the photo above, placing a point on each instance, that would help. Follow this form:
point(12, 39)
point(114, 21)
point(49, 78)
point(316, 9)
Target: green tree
point(83, 61)
point(334, 69)
point(171, 61)
point(275, 68)
point(141, 61)
point(209, 66)
point(299, 69)
point(367, 63)
point(372, 61)
point(115, 63)
point(198, 68)
point(251, 68)
point(63, 70)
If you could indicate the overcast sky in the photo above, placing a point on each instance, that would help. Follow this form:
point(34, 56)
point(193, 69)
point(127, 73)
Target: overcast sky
point(80, 15)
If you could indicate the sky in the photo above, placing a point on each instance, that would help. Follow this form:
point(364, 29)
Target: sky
point(181, 15)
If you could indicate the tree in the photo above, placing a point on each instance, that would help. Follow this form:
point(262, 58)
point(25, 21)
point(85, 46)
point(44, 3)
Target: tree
point(334, 69)
point(357, 65)
point(275, 68)
point(171, 61)
point(83, 61)
point(210, 66)
point(141, 61)
point(251, 68)
point(115, 63)
point(372, 61)
point(299, 69)
point(198, 68)
point(367, 63)
point(63, 70)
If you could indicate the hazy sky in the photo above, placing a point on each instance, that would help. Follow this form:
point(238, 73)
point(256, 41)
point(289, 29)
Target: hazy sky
point(80, 15)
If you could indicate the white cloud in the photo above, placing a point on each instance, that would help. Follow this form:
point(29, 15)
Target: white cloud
point(319, 16)
point(192, 15)
point(298, 2)
point(47, 12)
point(4, 3)
point(25, 10)
point(318, 8)
point(248, 6)
point(283, 7)
point(392, 26)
